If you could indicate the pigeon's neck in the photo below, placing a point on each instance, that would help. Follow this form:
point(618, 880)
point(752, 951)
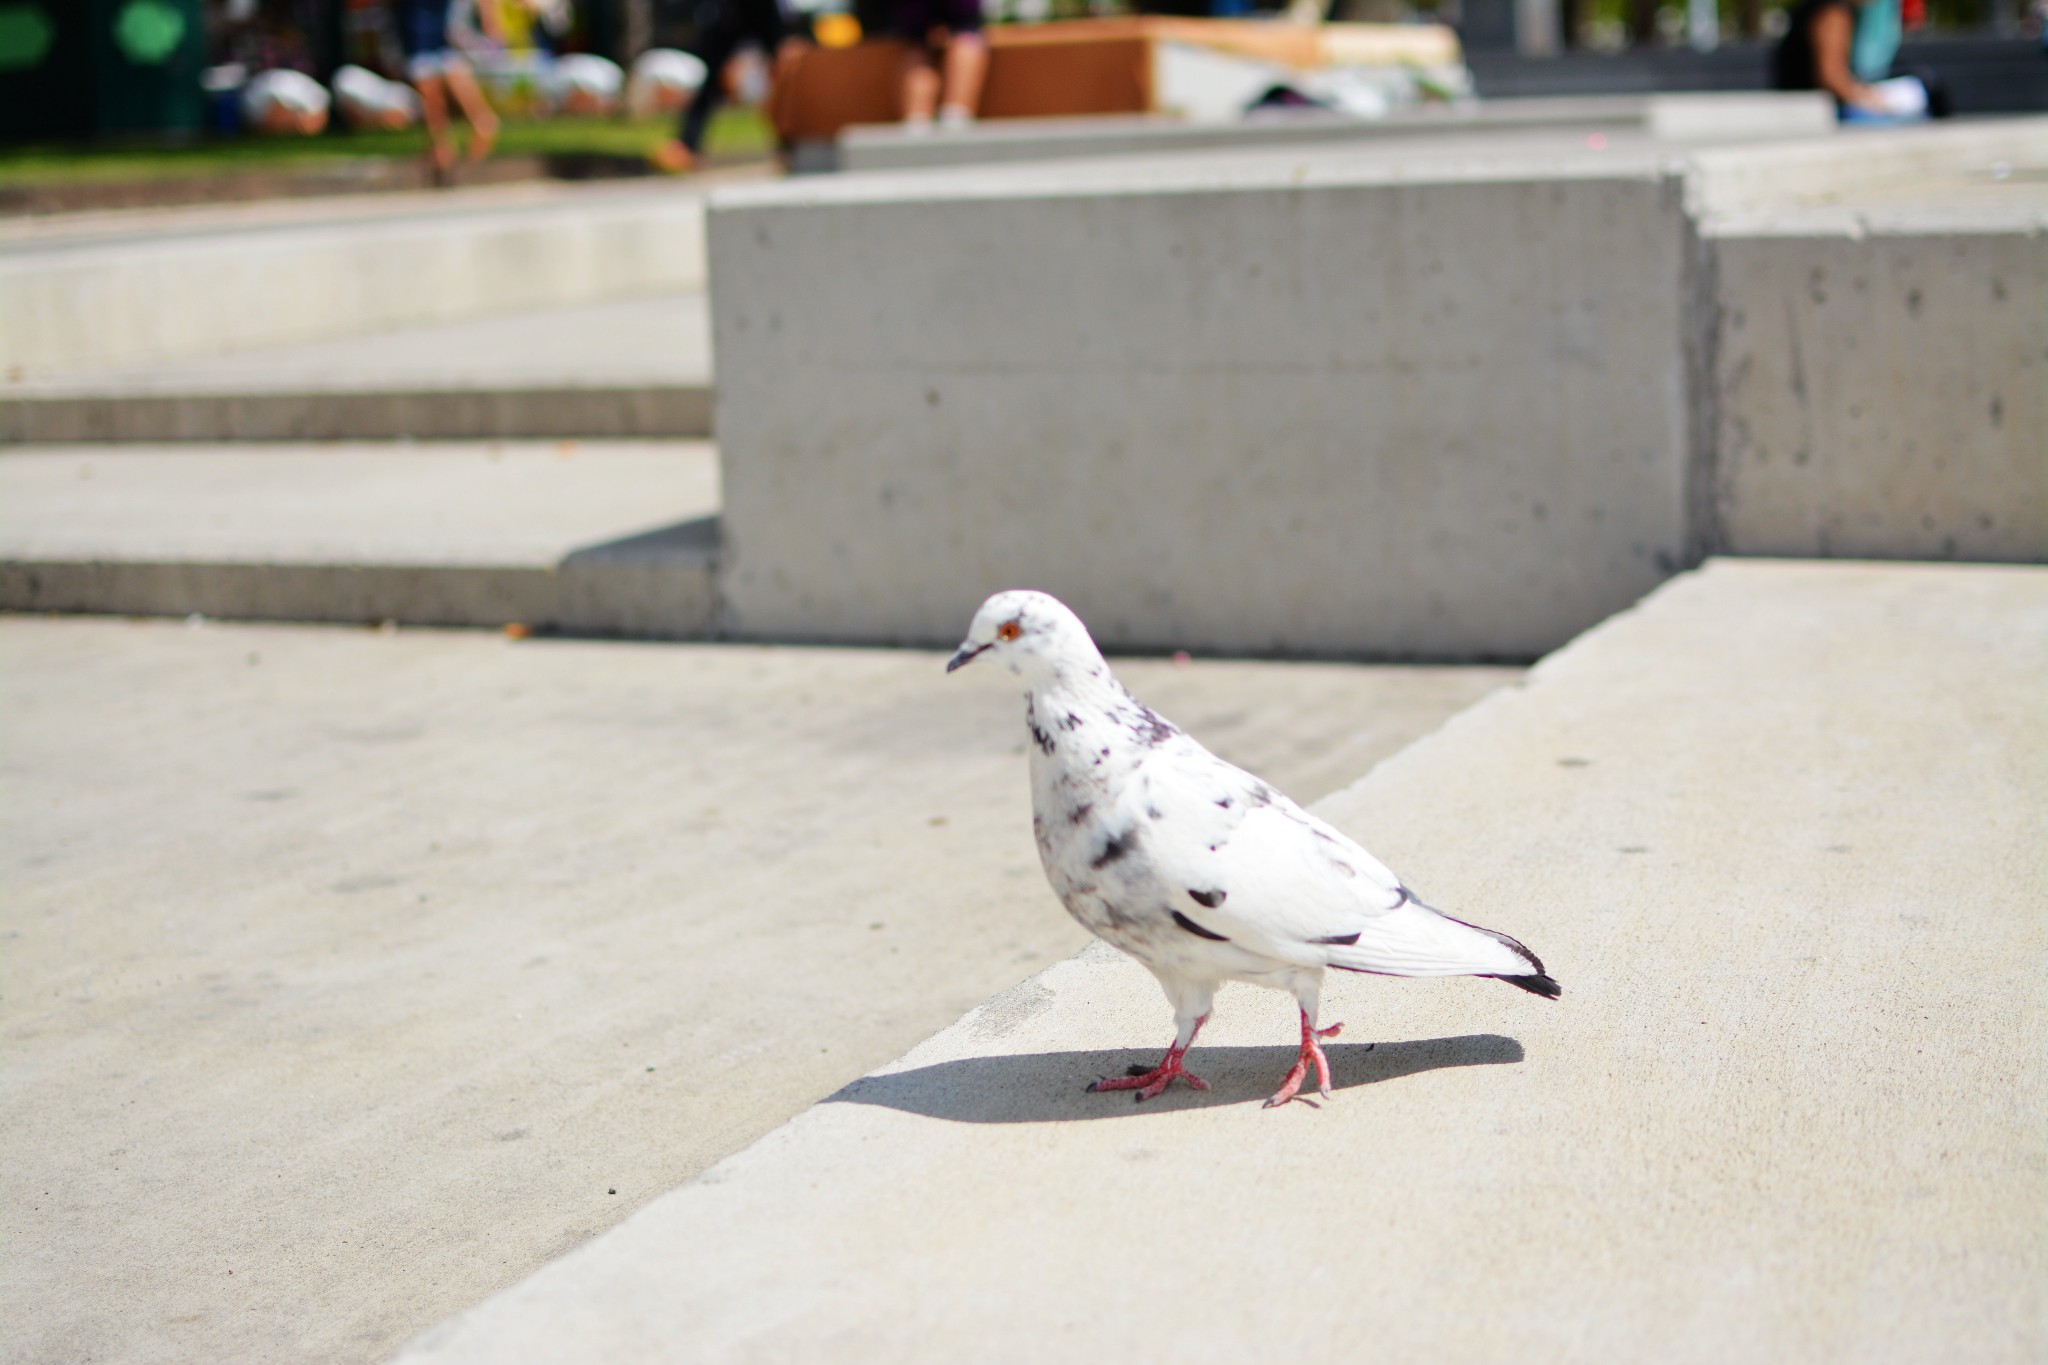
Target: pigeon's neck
point(1076, 684)
point(1085, 721)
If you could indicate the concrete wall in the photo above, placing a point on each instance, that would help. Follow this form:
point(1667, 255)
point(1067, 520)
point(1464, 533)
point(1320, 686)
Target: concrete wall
point(1768, 114)
point(149, 297)
point(1881, 383)
point(1455, 399)
point(1249, 406)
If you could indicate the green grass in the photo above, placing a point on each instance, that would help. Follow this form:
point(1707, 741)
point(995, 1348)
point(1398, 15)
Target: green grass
point(733, 132)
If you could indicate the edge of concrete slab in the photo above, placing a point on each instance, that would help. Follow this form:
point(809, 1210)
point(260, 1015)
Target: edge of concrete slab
point(661, 592)
point(445, 414)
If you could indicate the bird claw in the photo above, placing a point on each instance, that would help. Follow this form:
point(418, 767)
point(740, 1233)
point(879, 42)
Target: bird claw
point(1149, 1082)
point(1311, 1051)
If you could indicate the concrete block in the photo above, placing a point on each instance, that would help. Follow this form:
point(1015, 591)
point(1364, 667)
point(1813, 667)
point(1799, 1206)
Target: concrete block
point(1910, 162)
point(1458, 397)
point(1881, 383)
point(1377, 407)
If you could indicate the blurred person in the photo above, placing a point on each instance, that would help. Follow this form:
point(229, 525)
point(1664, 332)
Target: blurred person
point(284, 103)
point(947, 60)
point(584, 84)
point(432, 31)
point(724, 29)
point(369, 102)
point(1846, 47)
point(662, 81)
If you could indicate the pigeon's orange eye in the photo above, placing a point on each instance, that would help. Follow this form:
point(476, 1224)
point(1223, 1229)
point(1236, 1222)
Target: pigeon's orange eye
point(1009, 630)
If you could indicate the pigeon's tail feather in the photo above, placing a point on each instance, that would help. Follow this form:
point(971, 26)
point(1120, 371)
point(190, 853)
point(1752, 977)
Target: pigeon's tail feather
point(1415, 940)
point(1535, 985)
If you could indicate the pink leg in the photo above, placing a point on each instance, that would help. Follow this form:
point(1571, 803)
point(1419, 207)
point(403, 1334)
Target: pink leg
point(1311, 1049)
point(1152, 1084)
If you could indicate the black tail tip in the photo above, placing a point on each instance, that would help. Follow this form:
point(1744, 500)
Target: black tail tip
point(1535, 985)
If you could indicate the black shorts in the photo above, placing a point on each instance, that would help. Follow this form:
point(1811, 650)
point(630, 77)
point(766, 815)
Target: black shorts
point(914, 21)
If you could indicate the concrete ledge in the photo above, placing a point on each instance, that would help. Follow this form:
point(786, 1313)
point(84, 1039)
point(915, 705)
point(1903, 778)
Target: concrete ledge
point(1881, 381)
point(554, 538)
point(1773, 830)
point(127, 299)
point(1923, 161)
point(1718, 116)
point(451, 414)
point(673, 597)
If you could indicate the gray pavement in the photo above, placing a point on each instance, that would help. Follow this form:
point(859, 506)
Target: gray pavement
point(1779, 831)
point(591, 536)
point(350, 976)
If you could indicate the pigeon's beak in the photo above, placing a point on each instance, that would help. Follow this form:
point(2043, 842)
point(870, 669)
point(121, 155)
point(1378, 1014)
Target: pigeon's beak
point(967, 654)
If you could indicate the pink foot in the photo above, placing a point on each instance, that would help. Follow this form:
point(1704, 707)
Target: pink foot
point(1311, 1050)
point(1150, 1085)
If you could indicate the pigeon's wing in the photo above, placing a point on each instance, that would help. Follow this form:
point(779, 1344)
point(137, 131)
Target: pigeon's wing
point(1240, 861)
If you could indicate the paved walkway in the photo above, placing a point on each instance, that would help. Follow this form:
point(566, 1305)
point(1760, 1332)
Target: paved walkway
point(348, 977)
point(1779, 833)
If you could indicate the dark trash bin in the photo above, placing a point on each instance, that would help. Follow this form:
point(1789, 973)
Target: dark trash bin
point(75, 68)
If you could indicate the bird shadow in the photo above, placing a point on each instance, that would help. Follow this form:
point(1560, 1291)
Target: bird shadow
point(1049, 1087)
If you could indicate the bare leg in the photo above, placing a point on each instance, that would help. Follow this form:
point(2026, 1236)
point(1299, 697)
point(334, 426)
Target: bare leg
point(966, 70)
point(434, 107)
point(786, 54)
point(920, 87)
point(462, 84)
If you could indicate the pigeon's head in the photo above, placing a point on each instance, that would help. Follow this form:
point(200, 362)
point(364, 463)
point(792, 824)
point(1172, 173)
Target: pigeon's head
point(1032, 634)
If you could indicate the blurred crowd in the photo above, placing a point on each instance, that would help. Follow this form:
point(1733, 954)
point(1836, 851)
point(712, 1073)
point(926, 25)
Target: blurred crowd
point(446, 64)
point(433, 63)
point(440, 64)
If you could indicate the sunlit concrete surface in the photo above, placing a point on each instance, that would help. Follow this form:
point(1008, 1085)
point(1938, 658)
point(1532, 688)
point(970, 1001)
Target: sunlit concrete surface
point(347, 977)
point(1779, 833)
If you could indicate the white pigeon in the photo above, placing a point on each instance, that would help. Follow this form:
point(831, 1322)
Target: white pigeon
point(1196, 868)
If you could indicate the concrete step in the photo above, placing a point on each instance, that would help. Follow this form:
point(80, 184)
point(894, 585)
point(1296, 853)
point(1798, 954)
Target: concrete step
point(594, 538)
point(1777, 832)
point(634, 367)
point(350, 976)
point(138, 289)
